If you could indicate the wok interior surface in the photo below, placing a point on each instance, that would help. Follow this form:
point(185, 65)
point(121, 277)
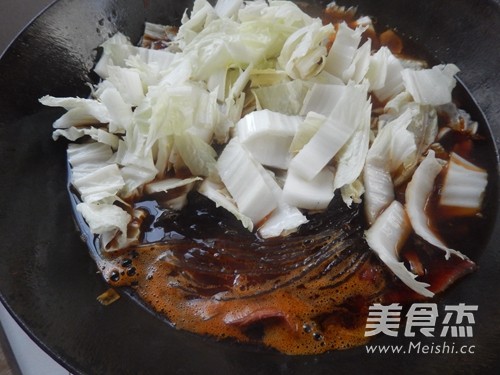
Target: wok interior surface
point(47, 278)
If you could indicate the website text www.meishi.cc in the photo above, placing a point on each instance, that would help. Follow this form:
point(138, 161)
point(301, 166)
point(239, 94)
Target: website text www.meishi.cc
point(446, 331)
point(421, 348)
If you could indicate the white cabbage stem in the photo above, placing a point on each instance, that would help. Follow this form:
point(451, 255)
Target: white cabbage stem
point(313, 194)
point(417, 194)
point(268, 136)
point(431, 86)
point(343, 49)
point(217, 193)
point(386, 237)
point(464, 185)
point(379, 188)
point(243, 177)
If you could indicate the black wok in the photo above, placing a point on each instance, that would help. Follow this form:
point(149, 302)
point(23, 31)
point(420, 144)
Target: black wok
point(49, 282)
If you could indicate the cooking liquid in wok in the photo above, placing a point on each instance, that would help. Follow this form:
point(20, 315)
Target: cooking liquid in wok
point(302, 294)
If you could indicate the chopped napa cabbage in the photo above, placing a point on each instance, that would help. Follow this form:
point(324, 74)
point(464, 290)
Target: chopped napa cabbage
point(226, 43)
point(459, 119)
point(157, 32)
point(107, 220)
point(198, 155)
point(115, 51)
point(135, 176)
point(267, 136)
point(322, 147)
point(228, 8)
point(252, 10)
point(100, 184)
point(119, 52)
point(315, 194)
point(431, 86)
point(267, 77)
point(396, 142)
point(351, 158)
point(393, 84)
point(417, 194)
point(304, 53)
point(217, 83)
point(180, 71)
point(128, 83)
point(343, 50)
point(379, 189)
point(232, 110)
point(85, 158)
point(333, 134)
point(360, 64)
point(377, 68)
point(398, 103)
point(285, 13)
point(423, 126)
point(161, 155)
point(413, 64)
point(71, 134)
point(392, 148)
point(176, 191)
point(286, 98)
point(402, 145)
point(149, 73)
point(225, 124)
point(285, 219)
point(240, 83)
point(137, 165)
point(93, 153)
point(363, 20)
point(80, 111)
point(120, 113)
point(221, 197)
point(464, 185)
point(243, 177)
point(306, 130)
point(169, 184)
point(352, 193)
point(96, 134)
point(326, 78)
point(322, 98)
point(201, 15)
point(169, 111)
point(386, 237)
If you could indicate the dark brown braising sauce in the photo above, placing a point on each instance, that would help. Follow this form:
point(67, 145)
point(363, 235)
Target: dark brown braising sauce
point(306, 293)
point(302, 294)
